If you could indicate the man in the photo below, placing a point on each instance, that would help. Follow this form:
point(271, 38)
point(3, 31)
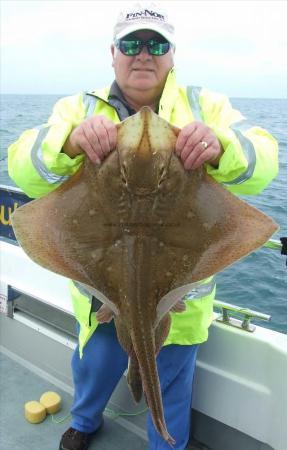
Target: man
point(241, 156)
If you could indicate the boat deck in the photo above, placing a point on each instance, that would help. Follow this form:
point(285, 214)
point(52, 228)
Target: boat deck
point(18, 385)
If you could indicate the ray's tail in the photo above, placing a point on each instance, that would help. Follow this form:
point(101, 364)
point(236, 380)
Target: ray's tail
point(144, 346)
point(145, 341)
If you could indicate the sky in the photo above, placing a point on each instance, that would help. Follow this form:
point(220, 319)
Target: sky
point(63, 46)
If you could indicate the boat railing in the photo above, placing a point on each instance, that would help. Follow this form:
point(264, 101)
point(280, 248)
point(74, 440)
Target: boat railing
point(228, 310)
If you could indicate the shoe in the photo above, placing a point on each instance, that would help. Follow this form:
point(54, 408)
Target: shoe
point(75, 440)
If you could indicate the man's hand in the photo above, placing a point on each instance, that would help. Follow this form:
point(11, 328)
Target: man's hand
point(95, 136)
point(104, 314)
point(197, 144)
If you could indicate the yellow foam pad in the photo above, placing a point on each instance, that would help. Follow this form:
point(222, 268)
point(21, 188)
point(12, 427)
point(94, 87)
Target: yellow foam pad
point(51, 401)
point(34, 412)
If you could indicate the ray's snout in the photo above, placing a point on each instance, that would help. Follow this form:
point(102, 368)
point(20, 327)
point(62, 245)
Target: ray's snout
point(145, 152)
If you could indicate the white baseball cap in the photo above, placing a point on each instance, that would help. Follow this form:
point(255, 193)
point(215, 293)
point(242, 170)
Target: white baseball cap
point(143, 16)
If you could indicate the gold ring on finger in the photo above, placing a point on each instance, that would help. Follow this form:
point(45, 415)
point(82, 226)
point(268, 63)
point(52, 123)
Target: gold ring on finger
point(204, 144)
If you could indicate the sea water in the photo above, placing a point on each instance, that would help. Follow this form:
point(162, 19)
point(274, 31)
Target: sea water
point(259, 281)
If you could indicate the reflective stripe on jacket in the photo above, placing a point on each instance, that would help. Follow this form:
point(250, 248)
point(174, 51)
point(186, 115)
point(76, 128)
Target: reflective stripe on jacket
point(248, 164)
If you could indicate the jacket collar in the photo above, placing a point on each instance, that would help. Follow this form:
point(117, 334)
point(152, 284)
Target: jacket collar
point(118, 101)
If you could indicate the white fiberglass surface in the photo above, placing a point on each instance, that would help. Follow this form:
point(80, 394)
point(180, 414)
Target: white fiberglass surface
point(21, 273)
point(241, 381)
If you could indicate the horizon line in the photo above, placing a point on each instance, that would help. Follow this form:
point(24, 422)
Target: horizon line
point(69, 94)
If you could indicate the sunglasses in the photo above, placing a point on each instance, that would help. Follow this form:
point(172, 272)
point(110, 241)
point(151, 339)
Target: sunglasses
point(133, 47)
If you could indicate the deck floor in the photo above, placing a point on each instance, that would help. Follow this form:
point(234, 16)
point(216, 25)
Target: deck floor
point(19, 385)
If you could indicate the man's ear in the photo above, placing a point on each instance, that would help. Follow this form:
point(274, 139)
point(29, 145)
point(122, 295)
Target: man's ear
point(113, 51)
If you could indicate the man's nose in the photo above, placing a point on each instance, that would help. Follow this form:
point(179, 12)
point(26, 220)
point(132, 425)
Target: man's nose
point(144, 54)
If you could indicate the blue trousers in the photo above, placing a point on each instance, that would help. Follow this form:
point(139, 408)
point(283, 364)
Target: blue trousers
point(100, 369)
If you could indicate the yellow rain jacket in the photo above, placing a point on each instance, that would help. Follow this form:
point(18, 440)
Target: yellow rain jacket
point(248, 164)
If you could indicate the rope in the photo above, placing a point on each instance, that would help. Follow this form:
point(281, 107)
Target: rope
point(114, 415)
point(109, 412)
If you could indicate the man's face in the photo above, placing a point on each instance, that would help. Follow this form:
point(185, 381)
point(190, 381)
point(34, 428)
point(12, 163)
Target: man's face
point(142, 72)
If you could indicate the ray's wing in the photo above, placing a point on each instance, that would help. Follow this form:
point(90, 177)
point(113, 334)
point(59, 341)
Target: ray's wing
point(68, 231)
point(210, 229)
